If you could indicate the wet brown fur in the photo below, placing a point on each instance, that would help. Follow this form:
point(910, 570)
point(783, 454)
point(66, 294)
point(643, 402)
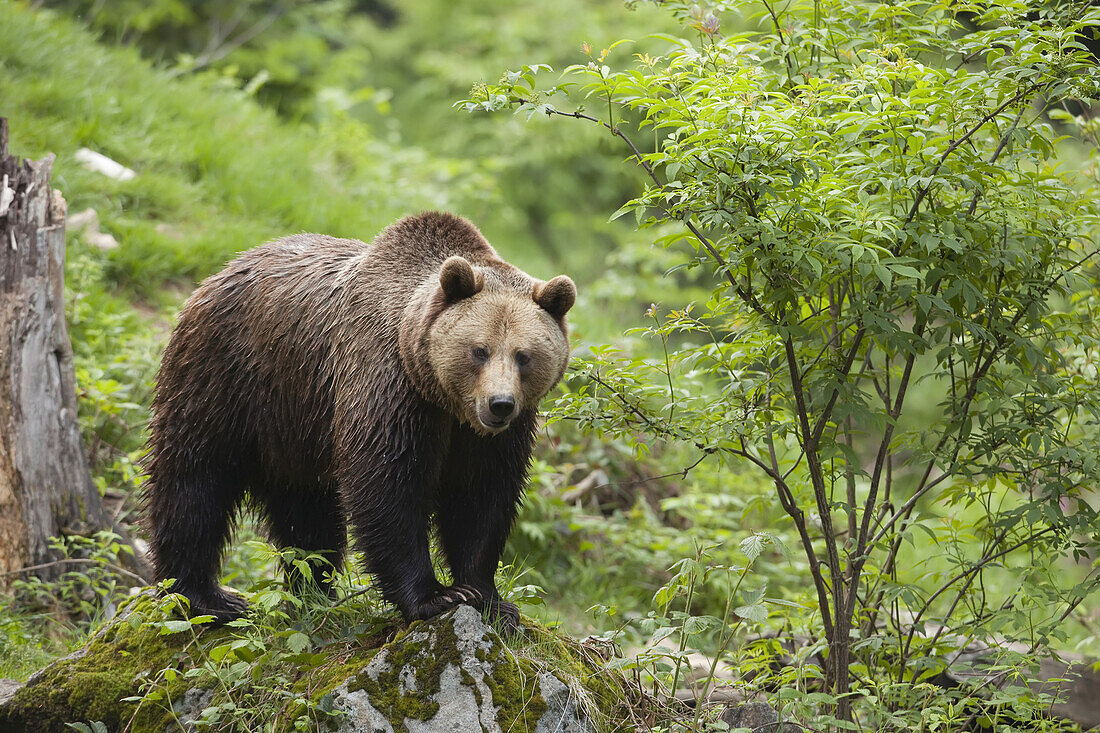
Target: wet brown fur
point(325, 380)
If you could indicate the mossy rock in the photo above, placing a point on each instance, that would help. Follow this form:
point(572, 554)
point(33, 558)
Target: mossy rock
point(453, 673)
point(91, 683)
point(456, 674)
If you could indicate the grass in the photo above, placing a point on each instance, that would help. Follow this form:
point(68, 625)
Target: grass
point(217, 173)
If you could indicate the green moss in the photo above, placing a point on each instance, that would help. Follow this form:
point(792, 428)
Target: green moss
point(514, 685)
point(126, 655)
point(90, 687)
point(427, 658)
point(98, 693)
point(468, 680)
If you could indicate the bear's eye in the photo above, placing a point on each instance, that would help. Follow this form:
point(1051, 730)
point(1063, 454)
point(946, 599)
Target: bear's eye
point(523, 358)
point(481, 354)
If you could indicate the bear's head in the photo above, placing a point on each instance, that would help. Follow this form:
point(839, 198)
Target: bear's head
point(496, 341)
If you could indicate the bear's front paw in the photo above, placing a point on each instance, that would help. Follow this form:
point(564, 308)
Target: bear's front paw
point(505, 615)
point(223, 605)
point(447, 598)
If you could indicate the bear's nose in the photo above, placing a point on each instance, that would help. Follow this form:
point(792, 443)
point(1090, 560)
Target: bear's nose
point(501, 405)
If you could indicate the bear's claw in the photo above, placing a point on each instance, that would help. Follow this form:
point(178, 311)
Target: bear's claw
point(445, 599)
point(461, 593)
point(505, 615)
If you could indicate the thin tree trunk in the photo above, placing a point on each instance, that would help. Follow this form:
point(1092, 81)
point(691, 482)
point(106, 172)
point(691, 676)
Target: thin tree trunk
point(45, 485)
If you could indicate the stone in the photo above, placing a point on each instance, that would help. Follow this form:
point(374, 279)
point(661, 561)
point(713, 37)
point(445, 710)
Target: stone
point(82, 220)
point(86, 222)
point(563, 715)
point(103, 165)
point(8, 688)
point(454, 675)
point(189, 707)
point(759, 717)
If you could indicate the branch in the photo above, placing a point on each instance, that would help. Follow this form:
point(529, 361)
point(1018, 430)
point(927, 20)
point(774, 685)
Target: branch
point(826, 411)
point(956, 144)
point(779, 35)
point(976, 567)
point(790, 506)
point(682, 473)
point(746, 296)
point(634, 409)
point(993, 158)
point(76, 561)
point(921, 194)
point(213, 55)
point(818, 481)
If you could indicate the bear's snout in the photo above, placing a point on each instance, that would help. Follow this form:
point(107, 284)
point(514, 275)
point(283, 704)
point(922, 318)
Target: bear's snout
point(502, 405)
point(496, 412)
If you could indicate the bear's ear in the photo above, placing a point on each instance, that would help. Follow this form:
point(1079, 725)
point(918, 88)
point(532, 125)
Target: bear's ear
point(458, 279)
point(557, 296)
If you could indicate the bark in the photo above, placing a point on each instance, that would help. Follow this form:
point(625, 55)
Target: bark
point(45, 485)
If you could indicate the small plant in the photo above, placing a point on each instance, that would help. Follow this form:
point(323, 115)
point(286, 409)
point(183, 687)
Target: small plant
point(46, 615)
point(254, 675)
point(29, 640)
point(95, 726)
point(677, 637)
point(88, 580)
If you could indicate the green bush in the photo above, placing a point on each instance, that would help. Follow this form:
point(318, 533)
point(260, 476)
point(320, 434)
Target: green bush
point(900, 336)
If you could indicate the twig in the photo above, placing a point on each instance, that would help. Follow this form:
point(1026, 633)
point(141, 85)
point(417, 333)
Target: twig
point(338, 603)
point(78, 561)
point(218, 53)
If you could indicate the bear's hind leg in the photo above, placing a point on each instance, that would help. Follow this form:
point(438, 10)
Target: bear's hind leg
point(310, 518)
point(190, 519)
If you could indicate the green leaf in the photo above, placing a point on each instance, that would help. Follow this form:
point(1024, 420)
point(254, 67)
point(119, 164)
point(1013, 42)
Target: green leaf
point(297, 642)
point(755, 613)
point(753, 545)
point(174, 627)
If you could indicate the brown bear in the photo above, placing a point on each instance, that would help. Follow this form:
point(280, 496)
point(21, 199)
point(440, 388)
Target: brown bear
point(322, 380)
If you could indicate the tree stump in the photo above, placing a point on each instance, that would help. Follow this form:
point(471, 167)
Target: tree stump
point(45, 484)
